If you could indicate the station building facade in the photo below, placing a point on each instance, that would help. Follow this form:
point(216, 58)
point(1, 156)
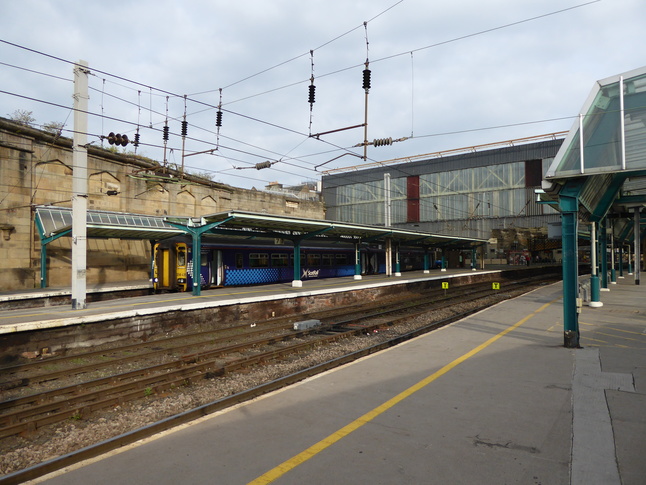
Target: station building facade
point(485, 192)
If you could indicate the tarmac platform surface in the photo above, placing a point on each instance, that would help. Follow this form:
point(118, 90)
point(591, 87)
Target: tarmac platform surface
point(492, 399)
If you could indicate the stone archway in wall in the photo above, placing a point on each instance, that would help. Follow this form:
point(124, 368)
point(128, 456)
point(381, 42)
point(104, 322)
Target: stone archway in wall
point(208, 205)
point(154, 200)
point(185, 204)
point(104, 191)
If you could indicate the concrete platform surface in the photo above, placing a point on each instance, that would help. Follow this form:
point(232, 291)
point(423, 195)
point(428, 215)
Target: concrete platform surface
point(25, 319)
point(492, 399)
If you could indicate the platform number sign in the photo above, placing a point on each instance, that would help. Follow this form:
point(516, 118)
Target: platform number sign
point(445, 285)
point(495, 286)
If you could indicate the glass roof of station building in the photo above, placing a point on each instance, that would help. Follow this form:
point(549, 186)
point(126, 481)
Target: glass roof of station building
point(603, 128)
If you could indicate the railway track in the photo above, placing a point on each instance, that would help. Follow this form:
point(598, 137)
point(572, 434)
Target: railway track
point(159, 367)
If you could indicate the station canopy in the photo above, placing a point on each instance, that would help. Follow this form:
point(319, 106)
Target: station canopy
point(252, 224)
point(53, 222)
point(603, 157)
point(56, 221)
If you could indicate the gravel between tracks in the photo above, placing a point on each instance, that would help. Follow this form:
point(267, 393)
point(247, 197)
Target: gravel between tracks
point(49, 442)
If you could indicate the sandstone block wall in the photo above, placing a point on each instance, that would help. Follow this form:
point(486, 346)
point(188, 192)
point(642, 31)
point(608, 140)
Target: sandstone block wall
point(36, 169)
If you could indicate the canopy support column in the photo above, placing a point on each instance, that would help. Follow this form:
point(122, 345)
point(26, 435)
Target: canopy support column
point(569, 218)
point(603, 249)
point(594, 277)
point(397, 263)
point(613, 270)
point(196, 231)
point(297, 282)
point(357, 261)
point(638, 244)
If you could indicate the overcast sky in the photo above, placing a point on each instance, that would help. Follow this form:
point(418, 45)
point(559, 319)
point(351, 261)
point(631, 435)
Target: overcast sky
point(444, 74)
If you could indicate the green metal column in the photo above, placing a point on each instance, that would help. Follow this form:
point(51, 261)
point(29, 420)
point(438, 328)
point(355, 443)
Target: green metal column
point(44, 241)
point(195, 229)
point(397, 263)
point(638, 244)
point(621, 260)
point(569, 211)
point(43, 265)
point(603, 252)
point(197, 262)
point(473, 259)
point(357, 261)
point(595, 300)
point(426, 259)
point(443, 263)
point(297, 283)
point(613, 269)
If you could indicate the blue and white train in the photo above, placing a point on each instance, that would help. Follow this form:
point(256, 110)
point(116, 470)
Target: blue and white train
point(227, 262)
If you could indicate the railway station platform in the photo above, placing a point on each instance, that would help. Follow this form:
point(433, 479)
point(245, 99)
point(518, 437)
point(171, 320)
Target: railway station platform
point(50, 316)
point(494, 398)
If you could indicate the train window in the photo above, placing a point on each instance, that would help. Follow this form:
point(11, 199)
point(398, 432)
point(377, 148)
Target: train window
point(239, 261)
point(279, 260)
point(341, 259)
point(258, 260)
point(181, 258)
point(328, 260)
point(204, 259)
point(313, 259)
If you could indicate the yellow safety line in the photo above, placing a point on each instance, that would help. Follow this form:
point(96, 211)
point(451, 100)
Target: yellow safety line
point(313, 450)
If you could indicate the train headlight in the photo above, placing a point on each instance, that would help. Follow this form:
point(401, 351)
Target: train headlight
point(181, 280)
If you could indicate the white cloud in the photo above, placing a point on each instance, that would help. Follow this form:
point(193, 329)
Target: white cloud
point(535, 70)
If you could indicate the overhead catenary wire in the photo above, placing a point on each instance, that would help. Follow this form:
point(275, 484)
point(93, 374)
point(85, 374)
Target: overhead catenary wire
point(461, 130)
point(373, 61)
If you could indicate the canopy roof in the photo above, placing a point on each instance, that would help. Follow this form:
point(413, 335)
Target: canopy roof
point(54, 222)
point(252, 224)
point(603, 157)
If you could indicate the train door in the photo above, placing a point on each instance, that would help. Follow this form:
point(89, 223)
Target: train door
point(181, 276)
point(163, 269)
point(217, 269)
point(205, 268)
point(369, 263)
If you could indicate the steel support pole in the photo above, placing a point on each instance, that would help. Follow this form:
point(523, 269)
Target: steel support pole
point(297, 282)
point(426, 263)
point(613, 269)
point(357, 261)
point(594, 269)
point(621, 260)
point(397, 262)
point(569, 211)
point(79, 187)
point(638, 243)
point(197, 262)
point(473, 259)
point(603, 252)
point(387, 201)
point(43, 265)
